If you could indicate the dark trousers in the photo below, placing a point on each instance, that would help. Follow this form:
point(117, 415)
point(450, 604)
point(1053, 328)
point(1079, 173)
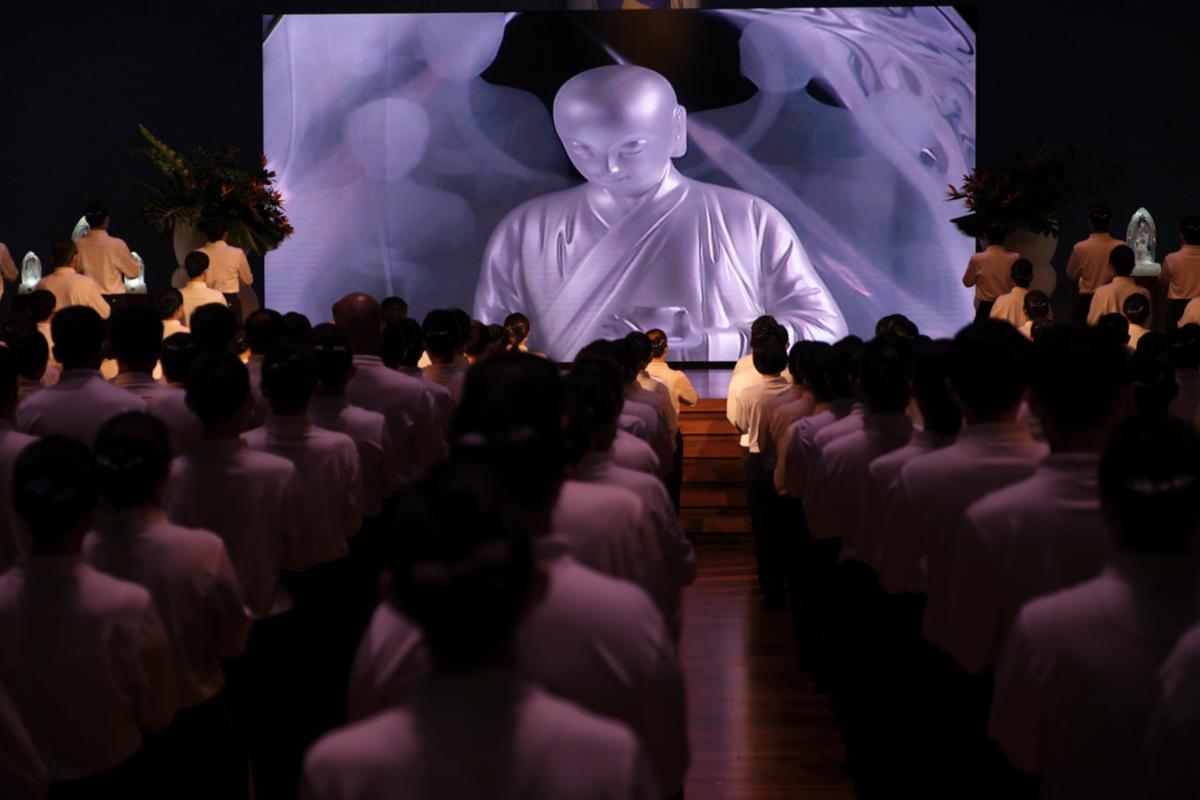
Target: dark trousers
point(760, 497)
point(984, 310)
point(1083, 305)
point(132, 779)
point(674, 479)
point(200, 756)
point(1174, 312)
point(235, 305)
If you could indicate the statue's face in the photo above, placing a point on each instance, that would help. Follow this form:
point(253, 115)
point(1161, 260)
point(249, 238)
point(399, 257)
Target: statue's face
point(621, 137)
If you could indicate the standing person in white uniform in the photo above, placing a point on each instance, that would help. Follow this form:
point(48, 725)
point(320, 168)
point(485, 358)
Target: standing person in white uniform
point(1110, 298)
point(676, 381)
point(85, 656)
point(401, 349)
point(409, 408)
point(744, 373)
point(188, 573)
point(467, 577)
point(1089, 264)
point(228, 269)
point(443, 343)
point(1181, 271)
point(1175, 735)
point(14, 540)
point(990, 272)
point(103, 258)
point(82, 400)
point(196, 292)
point(1010, 307)
point(1077, 683)
point(785, 408)
point(68, 286)
point(22, 773)
point(642, 348)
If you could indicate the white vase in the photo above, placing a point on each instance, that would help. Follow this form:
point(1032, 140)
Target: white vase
point(1039, 249)
point(188, 238)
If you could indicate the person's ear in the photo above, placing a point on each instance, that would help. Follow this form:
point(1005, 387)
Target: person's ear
point(679, 132)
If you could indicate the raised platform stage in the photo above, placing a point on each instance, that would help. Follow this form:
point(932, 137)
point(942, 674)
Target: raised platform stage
point(714, 493)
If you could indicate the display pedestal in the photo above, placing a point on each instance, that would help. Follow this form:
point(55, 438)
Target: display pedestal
point(1158, 299)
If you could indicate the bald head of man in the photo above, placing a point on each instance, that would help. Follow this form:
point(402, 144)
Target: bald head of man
point(621, 125)
point(359, 316)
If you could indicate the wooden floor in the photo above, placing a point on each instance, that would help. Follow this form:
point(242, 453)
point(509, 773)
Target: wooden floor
point(757, 729)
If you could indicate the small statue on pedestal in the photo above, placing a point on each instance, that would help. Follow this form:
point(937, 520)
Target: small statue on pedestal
point(1142, 238)
point(31, 273)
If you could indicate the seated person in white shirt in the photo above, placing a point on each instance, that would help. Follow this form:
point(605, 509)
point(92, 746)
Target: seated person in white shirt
point(401, 348)
point(82, 400)
point(329, 409)
point(188, 573)
point(596, 640)
point(170, 311)
point(1077, 684)
point(228, 269)
point(1110, 298)
point(1137, 310)
point(196, 292)
point(214, 328)
point(85, 653)
point(443, 344)
point(68, 286)
point(1011, 307)
point(41, 304)
point(643, 348)
point(14, 542)
point(1036, 308)
point(467, 577)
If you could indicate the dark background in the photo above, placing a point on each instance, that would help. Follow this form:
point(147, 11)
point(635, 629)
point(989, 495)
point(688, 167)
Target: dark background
point(1119, 80)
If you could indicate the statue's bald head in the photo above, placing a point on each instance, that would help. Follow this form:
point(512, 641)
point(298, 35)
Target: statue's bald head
point(358, 315)
point(620, 125)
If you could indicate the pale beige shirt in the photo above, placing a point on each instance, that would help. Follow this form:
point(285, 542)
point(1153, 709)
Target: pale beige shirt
point(190, 577)
point(747, 412)
point(86, 661)
point(195, 294)
point(990, 272)
point(1136, 332)
point(371, 436)
point(677, 383)
point(1010, 307)
point(172, 327)
point(783, 410)
point(1089, 264)
point(450, 376)
point(658, 402)
point(1181, 271)
point(72, 289)
point(22, 773)
point(106, 260)
point(1077, 683)
point(1191, 313)
point(14, 538)
point(168, 404)
point(633, 453)
point(653, 430)
point(795, 454)
point(330, 476)
point(8, 270)
point(227, 267)
point(76, 407)
point(1175, 734)
point(666, 400)
point(446, 404)
point(409, 408)
point(1110, 298)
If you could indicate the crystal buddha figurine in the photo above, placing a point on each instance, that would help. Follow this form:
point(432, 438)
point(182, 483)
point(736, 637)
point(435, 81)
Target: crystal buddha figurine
point(31, 272)
point(81, 230)
point(137, 285)
point(1142, 238)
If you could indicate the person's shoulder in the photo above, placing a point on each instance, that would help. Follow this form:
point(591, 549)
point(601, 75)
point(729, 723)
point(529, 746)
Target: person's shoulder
point(582, 500)
point(264, 463)
point(333, 441)
point(107, 595)
point(380, 742)
point(1048, 617)
point(575, 726)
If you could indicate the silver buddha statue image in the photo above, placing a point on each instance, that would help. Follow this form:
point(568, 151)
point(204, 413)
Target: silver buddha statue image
point(1141, 237)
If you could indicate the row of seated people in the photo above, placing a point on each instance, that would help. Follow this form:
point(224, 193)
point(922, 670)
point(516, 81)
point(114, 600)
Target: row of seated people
point(194, 566)
point(990, 547)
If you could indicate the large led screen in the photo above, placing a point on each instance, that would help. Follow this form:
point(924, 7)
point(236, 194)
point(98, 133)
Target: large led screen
point(606, 171)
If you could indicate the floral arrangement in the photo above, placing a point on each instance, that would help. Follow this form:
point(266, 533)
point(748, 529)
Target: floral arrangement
point(1031, 192)
point(204, 183)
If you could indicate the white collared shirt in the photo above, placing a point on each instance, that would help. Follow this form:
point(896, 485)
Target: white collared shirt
point(409, 408)
point(190, 577)
point(659, 403)
point(106, 260)
point(1026, 540)
point(1181, 271)
point(1191, 313)
point(633, 453)
point(77, 406)
point(1010, 307)
point(172, 327)
point(1077, 682)
point(443, 399)
point(677, 383)
point(746, 413)
point(195, 294)
point(797, 446)
point(934, 490)
point(652, 430)
point(990, 272)
point(331, 485)
point(227, 267)
point(1175, 734)
point(443, 743)
point(86, 661)
point(22, 773)
point(666, 399)
point(450, 376)
point(14, 539)
point(72, 289)
point(851, 423)
point(1089, 261)
point(168, 403)
point(252, 501)
point(1110, 298)
point(594, 639)
point(371, 436)
point(772, 411)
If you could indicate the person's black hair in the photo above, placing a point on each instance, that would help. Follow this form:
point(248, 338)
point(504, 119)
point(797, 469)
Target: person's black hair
point(1183, 347)
point(897, 326)
point(769, 355)
point(195, 264)
point(133, 458)
point(796, 358)
point(593, 403)
point(464, 567)
point(463, 319)
point(169, 303)
point(1154, 385)
point(214, 326)
point(30, 351)
point(217, 386)
point(54, 488)
point(289, 378)
point(995, 234)
point(658, 342)
point(393, 309)
point(1153, 343)
point(931, 371)
point(1136, 308)
point(1114, 326)
point(1190, 230)
point(1150, 485)
point(331, 347)
point(628, 357)
point(402, 344)
point(764, 324)
point(817, 358)
point(1122, 260)
point(440, 331)
point(179, 350)
point(295, 327)
point(1037, 305)
point(95, 212)
point(642, 347)
point(843, 367)
point(486, 340)
point(61, 252)
point(1021, 272)
point(213, 227)
point(135, 334)
point(1040, 328)
point(40, 304)
point(78, 332)
point(8, 376)
point(517, 325)
point(885, 369)
point(987, 367)
point(264, 330)
point(1100, 217)
point(1077, 375)
point(599, 352)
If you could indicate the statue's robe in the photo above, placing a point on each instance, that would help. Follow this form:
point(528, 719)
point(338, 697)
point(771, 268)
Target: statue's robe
point(698, 260)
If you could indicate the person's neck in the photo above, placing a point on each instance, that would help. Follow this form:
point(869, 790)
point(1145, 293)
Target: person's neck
point(334, 392)
point(770, 375)
point(199, 280)
point(219, 431)
point(1006, 417)
point(659, 360)
point(364, 349)
point(90, 366)
point(126, 368)
point(441, 361)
